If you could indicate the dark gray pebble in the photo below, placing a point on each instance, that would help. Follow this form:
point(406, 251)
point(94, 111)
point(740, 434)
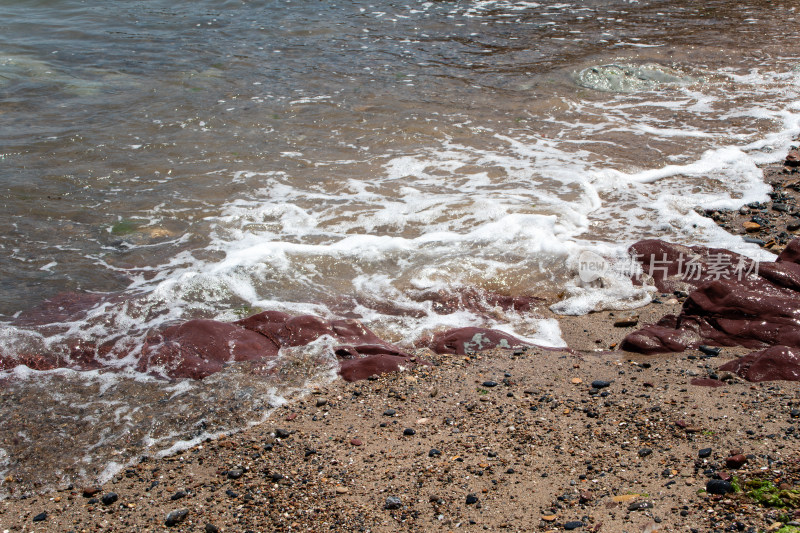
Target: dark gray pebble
point(471, 499)
point(490, 384)
point(393, 502)
point(409, 432)
point(718, 486)
point(178, 495)
point(41, 517)
point(644, 452)
point(110, 498)
point(389, 412)
point(705, 452)
point(176, 517)
point(600, 384)
point(282, 433)
point(575, 524)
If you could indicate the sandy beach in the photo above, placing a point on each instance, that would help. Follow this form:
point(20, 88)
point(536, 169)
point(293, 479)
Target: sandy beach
point(588, 439)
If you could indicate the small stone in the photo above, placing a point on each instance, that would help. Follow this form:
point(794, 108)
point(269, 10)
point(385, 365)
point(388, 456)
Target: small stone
point(211, 528)
point(110, 498)
point(321, 402)
point(392, 503)
point(640, 506)
point(600, 384)
point(780, 207)
point(644, 452)
point(389, 412)
point(712, 351)
point(574, 524)
point(490, 384)
point(235, 473)
point(793, 226)
point(471, 499)
point(356, 442)
point(576, 381)
point(342, 490)
point(792, 158)
point(626, 321)
point(282, 433)
point(719, 486)
point(434, 453)
point(178, 495)
point(231, 493)
point(41, 517)
point(751, 227)
point(176, 517)
point(88, 492)
point(735, 461)
point(794, 413)
point(409, 431)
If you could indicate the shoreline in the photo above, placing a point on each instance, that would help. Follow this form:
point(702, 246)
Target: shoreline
point(491, 440)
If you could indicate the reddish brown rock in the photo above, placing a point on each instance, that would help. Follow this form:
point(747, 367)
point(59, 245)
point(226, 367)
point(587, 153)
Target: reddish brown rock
point(756, 310)
point(462, 340)
point(707, 382)
point(774, 363)
point(199, 348)
point(372, 365)
point(735, 461)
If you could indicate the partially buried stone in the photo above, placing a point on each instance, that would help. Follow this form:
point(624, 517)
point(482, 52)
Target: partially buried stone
point(640, 506)
point(110, 498)
point(41, 517)
point(392, 503)
point(434, 453)
point(710, 350)
point(626, 321)
point(321, 402)
point(235, 473)
point(471, 499)
point(600, 384)
point(575, 524)
point(719, 486)
point(735, 461)
point(176, 517)
point(644, 452)
point(409, 431)
point(389, 412)
point(211, 528)
point(704, 453)
point(282, 433)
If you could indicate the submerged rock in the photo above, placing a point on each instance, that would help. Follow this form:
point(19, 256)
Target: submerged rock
point(460, 341)
point(630, 78)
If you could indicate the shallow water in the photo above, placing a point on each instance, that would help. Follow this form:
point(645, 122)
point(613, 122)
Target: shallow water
point(360, 159)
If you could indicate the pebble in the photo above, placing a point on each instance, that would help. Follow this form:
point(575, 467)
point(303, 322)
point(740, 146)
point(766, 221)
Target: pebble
point(471, 499)
point(235, 473)
point(176, 517)
point(409, 431)
point(719, 486)
point(434, 453)
point(705, 452)
point(392, 502)
point(356, 442)
point(211, 528)
point(178, 495)
point(644, 452)
point(710, 350)
point(41, 517)
point(640, 506)
point(574, 524)
point(626, 321)
point(282, 433)
point(389, 412)
point(110, 498)
point(321, 402)
point(794, 413)
point(490, 384)
point(751, 227)
point(88, 492)
point(600, 384)
point(342, 490)
point(735, 461)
